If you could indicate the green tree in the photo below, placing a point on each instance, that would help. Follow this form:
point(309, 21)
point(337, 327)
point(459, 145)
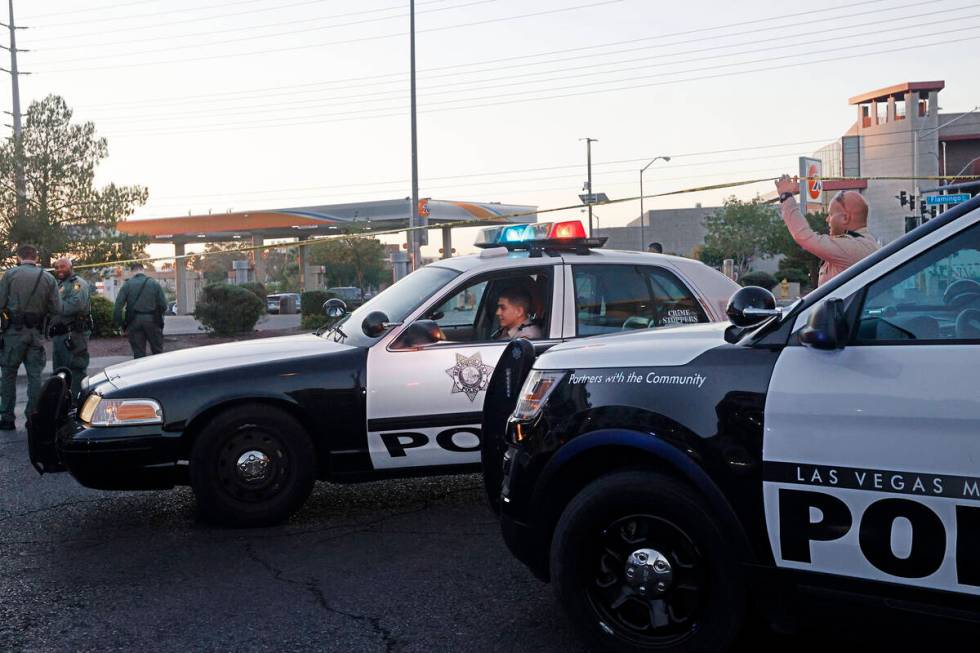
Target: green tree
point(216, 261)
point(743, 231)
point(64, 213)
point(350, 260)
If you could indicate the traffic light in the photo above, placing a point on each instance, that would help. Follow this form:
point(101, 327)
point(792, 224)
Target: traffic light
point(923, 208)
point(903, 198)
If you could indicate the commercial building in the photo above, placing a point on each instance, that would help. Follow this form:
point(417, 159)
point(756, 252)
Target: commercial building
point(900, 131)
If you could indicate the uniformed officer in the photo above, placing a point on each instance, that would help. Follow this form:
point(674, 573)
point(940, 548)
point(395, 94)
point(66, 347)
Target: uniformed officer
point(71, 328)
point(144, 303)
point(28, 297)
point(513, 310)
point(849, 240)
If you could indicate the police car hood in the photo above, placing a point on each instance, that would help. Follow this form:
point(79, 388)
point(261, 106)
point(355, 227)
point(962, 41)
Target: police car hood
point(662, 347)
point(200, 360)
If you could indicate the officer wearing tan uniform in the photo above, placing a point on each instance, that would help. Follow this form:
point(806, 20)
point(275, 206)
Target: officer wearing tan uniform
point(513, 309)
point(849, 240)
point(28, 297)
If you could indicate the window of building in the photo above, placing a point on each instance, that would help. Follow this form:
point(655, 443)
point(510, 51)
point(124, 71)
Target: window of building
point(851, 156)
point(900, 109)
point(865, 115)
point(882, 108)
point(923, 104)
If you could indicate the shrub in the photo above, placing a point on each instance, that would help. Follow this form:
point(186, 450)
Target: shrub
point(102, 308)
point(224, 309)
point(257, 288)
point(762, 279)
point(311, 302)
point(313, 322)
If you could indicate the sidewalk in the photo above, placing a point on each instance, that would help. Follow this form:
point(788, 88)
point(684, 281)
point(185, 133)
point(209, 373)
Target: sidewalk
point(96, 365)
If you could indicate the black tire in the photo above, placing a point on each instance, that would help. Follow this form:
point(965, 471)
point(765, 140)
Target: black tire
point(273, 487)
point(700, 608)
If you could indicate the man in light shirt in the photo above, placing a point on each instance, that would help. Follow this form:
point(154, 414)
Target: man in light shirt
point(849, 240)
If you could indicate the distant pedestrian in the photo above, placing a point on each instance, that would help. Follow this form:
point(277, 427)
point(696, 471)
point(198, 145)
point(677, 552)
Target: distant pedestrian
point(139, 310)
point(655, 248)
point(71, 327)
point(28, 297)
point(849, 240)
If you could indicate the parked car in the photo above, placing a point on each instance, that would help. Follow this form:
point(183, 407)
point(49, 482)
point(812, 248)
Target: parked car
point(395, 387)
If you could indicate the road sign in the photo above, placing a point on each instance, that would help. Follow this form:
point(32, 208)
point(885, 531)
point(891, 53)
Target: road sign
point(811, 186)
point(593, 198)
point(934, 200)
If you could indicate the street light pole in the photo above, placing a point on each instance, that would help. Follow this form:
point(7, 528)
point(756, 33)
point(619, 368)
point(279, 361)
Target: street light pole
point(413, 239)
point(588, 190)
point(642, 214)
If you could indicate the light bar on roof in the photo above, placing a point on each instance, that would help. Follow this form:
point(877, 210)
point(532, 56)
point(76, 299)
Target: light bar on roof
point(538, 236)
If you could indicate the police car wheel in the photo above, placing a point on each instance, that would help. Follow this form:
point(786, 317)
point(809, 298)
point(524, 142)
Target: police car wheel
point(639, 563)
point(252, 467)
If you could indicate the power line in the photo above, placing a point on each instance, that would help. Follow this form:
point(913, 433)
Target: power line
point(391, 95)
point(264, 91)
point(364, 115)
point(184, 10)
point(304, 21)
point(355, 40)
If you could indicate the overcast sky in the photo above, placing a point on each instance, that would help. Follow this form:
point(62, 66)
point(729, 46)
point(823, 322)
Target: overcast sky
point(248, 104)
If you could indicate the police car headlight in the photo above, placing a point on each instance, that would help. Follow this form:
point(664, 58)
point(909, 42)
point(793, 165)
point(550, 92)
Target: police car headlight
point(537, 388)
point(98, 411)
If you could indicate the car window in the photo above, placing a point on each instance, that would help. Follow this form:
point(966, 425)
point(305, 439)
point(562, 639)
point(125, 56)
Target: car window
point(461, 308)
point(612, 298)
point(935, 297)
point(468, 313)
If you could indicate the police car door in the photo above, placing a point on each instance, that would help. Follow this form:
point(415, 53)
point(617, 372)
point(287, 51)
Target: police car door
point(424, 405)
point(872, 452)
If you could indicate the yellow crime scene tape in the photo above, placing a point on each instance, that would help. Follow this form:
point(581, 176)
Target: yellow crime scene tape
point(523, 214)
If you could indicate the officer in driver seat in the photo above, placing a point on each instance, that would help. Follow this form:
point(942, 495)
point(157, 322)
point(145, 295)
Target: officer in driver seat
point(514, 315)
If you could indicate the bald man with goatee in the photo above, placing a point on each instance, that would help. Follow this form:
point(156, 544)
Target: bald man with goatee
point(849, 240)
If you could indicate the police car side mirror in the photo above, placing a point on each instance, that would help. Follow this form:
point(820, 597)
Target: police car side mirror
point(334, 308)
point(826, 328)
point(751, 305)
point(375, 323)
point(419, 334)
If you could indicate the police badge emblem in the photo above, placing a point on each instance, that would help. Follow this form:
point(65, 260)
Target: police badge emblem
point(469, 375)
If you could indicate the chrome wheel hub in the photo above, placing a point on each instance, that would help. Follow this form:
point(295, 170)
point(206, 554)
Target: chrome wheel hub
point(253, 466)
point(649, 573)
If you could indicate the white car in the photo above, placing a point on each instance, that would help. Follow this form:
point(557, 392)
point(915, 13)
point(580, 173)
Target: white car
point(396, 387)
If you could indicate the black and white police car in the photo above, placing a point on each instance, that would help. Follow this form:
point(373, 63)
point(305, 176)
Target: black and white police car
point(395, 388)
point(664, 483)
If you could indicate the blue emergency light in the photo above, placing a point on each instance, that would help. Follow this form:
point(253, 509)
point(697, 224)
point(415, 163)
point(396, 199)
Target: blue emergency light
point(538, 236)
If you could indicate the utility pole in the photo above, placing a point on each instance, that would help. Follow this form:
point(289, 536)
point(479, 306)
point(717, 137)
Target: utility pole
point(413, 239)
point(20, 183)
point(588, 184)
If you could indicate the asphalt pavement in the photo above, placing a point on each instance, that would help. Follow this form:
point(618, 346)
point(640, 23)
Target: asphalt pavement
point(174, 325)
point(392, 566)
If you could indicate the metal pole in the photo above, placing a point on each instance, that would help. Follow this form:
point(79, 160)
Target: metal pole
point(413, 240)
point(642, 239)
point(588, 155)
point(20, 182)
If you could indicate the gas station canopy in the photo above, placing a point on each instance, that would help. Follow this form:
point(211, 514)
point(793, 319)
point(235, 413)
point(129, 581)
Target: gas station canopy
point(305, 222)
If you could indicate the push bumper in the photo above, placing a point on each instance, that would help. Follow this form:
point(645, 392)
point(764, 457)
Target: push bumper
point(103, 458)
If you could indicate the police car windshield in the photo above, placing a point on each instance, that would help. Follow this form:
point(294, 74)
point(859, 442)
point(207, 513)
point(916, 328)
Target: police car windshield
point(395, 301)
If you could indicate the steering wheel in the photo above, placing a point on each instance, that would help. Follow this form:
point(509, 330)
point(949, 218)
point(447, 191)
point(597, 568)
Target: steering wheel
point(963, 293)
point(637, 322)
point(968, 324)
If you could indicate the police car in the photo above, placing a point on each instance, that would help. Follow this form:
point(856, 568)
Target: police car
point(665, 482)
point(394, 388)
